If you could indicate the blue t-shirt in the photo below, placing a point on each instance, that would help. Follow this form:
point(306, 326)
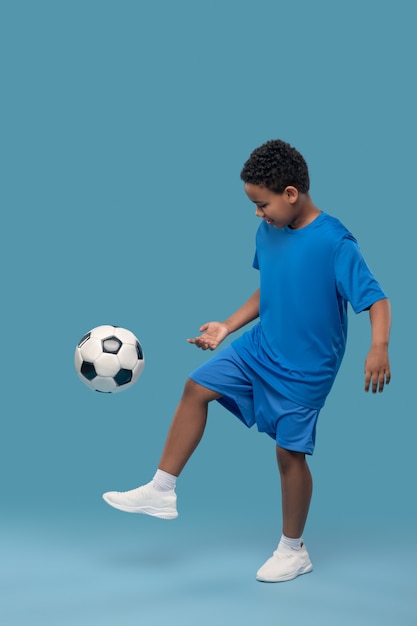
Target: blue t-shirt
point(307, 277)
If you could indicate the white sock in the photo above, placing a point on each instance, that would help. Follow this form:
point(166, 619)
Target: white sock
point(295, 544)
point(162, 481)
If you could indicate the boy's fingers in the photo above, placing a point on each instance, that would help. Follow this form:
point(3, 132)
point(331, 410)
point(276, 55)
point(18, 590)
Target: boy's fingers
point(384, 379)
point(376, 382)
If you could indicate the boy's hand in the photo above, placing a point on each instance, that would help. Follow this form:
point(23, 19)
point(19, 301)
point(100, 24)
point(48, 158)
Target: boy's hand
point(213, 335)
point(377, 369)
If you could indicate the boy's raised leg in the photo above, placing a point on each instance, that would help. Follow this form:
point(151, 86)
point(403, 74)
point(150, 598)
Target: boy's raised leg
point(185, 433)
point(187, 427)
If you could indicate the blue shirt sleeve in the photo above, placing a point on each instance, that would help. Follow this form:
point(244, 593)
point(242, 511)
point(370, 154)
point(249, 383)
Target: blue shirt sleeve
point(354, 280)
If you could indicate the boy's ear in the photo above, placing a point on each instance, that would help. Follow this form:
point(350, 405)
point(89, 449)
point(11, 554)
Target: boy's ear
point(291, 193)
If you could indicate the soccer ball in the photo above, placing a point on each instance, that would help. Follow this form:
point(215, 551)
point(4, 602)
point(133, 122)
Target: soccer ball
point(109, 359)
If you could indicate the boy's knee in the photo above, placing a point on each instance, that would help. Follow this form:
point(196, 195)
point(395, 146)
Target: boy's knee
point(192, 388)
point(198, 392)
point(289, 458)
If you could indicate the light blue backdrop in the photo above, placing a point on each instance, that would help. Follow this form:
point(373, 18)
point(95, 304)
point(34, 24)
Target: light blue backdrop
point(124, 127)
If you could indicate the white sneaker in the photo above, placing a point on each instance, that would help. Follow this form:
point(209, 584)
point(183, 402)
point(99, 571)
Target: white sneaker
point(285, 564)
point(146, 499)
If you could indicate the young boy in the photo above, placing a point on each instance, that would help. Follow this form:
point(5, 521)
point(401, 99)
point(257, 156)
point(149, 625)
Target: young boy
point(278, 374)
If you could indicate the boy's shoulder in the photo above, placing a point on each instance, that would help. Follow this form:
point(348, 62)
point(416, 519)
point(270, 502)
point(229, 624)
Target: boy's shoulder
point(333, 222)
point(334, 227)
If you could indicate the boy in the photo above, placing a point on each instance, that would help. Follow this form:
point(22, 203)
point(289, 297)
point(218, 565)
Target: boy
point(278, 374)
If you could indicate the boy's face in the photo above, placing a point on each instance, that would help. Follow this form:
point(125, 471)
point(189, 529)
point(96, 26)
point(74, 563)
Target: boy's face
point(277, 209)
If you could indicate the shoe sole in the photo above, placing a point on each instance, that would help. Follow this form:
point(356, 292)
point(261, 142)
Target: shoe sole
point(305, 569)
point(145, 510)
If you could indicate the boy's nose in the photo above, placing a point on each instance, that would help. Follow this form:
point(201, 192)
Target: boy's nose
point(259, 212)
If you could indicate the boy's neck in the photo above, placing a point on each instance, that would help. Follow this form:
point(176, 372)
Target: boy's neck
point(307, 212)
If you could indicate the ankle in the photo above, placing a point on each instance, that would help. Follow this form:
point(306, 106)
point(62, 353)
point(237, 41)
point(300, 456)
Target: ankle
point(290, 542)
point(162, 481)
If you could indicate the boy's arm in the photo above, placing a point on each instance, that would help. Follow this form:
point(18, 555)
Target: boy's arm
point(215, 332)
point(377, 369)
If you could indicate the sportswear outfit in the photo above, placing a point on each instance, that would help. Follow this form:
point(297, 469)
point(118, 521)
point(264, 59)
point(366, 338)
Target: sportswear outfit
point(278, 374)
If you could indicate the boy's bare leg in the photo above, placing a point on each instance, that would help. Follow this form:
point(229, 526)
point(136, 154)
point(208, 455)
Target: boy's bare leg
point(296, 490)
point(291, 558)
point(186, 430)
point(187, 427)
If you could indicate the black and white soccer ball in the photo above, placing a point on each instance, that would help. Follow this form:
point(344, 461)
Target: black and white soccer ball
point(109, 359)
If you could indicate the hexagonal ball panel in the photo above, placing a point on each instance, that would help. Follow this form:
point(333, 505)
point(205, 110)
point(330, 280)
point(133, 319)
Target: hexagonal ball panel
point(77, 360)
point(107, 365)
point(125, 336)
point(127, 356)
point(91, 349)
point(101, 332)
point(138, 370)
point(104, 385)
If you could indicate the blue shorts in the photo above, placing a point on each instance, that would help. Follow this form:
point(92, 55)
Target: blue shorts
point(253, 401)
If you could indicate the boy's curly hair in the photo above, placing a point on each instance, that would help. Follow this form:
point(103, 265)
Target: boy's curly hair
point(275, 165)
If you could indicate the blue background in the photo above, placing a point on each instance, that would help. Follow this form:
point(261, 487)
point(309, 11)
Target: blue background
point(124, 126)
